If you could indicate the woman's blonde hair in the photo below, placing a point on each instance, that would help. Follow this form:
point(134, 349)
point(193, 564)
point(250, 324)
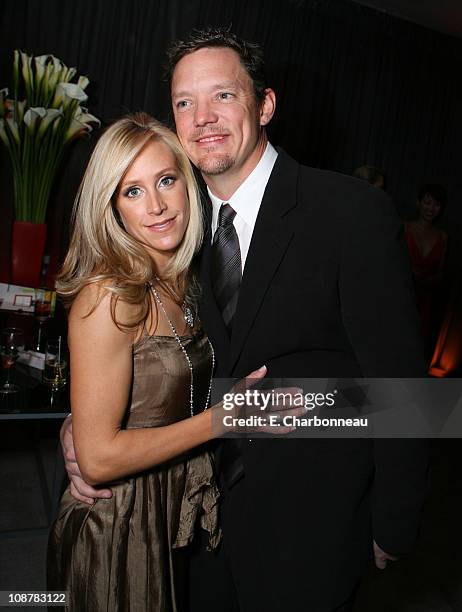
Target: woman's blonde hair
point(101, 252)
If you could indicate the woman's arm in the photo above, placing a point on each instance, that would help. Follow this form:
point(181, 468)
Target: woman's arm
point(101, 374)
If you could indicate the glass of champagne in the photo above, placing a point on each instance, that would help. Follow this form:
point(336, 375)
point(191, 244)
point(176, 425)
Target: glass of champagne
point(42, 311)
point(55, 372)
point(11, 344)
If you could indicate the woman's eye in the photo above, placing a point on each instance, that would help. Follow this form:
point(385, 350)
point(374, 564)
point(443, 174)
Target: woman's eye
point(166, 181)
point(133, 192)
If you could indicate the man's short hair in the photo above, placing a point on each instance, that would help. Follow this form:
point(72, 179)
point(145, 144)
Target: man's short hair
point(250, 54)
point(371, 174)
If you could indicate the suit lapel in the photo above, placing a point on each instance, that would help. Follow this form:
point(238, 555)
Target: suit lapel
point(271, 237)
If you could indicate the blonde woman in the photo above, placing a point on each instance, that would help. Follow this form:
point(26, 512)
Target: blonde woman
point(140, 366)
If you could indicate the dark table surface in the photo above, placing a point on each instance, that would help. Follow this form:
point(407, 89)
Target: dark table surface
point(34, 400)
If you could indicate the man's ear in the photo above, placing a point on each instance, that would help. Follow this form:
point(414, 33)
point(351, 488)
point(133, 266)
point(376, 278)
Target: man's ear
point(267, 107)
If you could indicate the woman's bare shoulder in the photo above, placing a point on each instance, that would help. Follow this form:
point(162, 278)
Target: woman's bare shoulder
point(92, 298)
point(96, 304)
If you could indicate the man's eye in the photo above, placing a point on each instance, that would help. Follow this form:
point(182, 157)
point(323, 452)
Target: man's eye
point(182, 104)
point(133, 192)
point(225, 95)
point(166, 181)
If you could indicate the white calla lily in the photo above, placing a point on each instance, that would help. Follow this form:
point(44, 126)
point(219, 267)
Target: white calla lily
point(42, 59)
point(48, 73)
point(82, 115)
point(87, 118)
point(38, 128)
point(51, 115)
point(53, 76)
point(83, 82)
point(66, 92)
point(26, 62)
point(40, 66)
point(57, 63)
point(58, 98)
point(32, 115)
point(75, 129)
point(73, 92)
point(68, 74)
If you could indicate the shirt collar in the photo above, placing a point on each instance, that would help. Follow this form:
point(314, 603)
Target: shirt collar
point(246, 200)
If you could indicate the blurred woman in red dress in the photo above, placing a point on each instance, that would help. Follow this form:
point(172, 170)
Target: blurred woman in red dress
point(427, 245)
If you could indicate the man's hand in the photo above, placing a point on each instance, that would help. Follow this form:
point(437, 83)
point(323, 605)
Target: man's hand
point(267, 420)
point(381, 557)
point(79, 488)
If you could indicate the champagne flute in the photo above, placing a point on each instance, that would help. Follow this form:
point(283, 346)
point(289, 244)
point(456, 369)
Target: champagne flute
point(42, 310)
point(11, 344)
point(55, 372)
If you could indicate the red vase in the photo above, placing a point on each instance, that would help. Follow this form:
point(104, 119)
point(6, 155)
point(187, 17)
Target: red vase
point(27, 247)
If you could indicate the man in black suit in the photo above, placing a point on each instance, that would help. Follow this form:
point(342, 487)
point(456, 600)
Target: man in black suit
point(323, 290)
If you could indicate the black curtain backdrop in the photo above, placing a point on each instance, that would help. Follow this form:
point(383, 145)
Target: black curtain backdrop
point(354, 86)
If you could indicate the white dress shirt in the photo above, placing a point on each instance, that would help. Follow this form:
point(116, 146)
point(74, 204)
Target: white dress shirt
point(246, 201)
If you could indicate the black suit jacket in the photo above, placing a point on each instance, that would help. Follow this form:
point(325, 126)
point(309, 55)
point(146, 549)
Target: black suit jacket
point(326, 292)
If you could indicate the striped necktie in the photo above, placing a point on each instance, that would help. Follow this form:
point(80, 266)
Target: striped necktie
point(226, 265)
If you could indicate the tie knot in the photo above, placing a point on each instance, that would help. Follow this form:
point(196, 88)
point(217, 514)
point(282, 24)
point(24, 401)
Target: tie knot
point(226, 215)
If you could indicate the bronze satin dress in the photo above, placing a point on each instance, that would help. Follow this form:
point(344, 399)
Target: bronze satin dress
point(118, 554)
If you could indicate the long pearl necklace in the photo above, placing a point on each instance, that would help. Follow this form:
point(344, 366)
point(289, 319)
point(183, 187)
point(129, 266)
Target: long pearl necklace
point(183, 349)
